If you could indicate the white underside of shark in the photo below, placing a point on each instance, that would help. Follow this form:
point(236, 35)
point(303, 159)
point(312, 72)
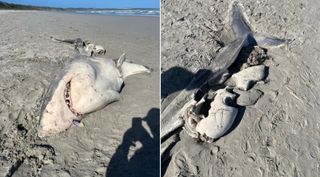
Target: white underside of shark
point(85, 85)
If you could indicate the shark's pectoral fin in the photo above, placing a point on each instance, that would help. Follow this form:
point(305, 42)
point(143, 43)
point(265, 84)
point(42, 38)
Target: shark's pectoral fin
point(269, 42)
point(128, 69)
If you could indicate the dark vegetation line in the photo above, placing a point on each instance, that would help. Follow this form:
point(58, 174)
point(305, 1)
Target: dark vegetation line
point(4, 5)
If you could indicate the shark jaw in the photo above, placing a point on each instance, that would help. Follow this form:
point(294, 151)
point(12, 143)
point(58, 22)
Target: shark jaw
point(58, 115)
point(68, 100)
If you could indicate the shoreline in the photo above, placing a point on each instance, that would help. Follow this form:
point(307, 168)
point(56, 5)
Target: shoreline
point(80, 13)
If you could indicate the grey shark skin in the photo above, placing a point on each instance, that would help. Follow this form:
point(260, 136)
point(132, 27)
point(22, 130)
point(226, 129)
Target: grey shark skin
point(85, 85)
point(171, 115)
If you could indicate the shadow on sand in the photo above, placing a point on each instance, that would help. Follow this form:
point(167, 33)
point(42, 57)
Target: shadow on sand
point(145, 160)
point(174, 79)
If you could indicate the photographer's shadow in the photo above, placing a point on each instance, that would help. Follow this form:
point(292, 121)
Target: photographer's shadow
point(145, 160)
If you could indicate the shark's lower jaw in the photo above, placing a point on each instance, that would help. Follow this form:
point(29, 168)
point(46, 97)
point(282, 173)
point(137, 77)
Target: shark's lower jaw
point(68, 100)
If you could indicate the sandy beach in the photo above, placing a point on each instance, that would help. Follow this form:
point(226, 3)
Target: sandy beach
point(115, 141)
point(277, 136)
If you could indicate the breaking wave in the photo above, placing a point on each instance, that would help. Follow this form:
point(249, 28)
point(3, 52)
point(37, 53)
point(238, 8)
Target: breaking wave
point(123, 12)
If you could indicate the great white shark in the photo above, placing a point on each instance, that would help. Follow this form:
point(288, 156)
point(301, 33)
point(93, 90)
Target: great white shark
point(85, 85)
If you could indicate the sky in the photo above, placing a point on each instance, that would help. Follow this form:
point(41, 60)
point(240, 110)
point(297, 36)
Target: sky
point(90, 3)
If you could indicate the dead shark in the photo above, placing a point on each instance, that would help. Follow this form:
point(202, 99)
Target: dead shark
point(85, 85)
point(206, 78)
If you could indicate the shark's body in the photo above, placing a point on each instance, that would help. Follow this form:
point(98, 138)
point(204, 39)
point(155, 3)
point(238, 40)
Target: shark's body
point(85, 85)
point(205, 78)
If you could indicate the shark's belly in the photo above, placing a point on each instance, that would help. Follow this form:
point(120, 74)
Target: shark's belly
point(90, 89)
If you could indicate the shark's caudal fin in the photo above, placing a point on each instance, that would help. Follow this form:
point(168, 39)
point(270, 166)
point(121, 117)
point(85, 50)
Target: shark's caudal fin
point(242, 29)
point(127, 68)
point(78, 42)
point(69, 41)
point(268, 42)
point(239, 24)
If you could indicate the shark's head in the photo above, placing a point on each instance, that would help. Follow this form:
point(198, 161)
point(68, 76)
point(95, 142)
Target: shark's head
point(58, 111)
point(56, 115)
point(84, 86)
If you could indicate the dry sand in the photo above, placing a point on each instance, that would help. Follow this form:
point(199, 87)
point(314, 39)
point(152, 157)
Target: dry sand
point(127, 129)
point(279, 135)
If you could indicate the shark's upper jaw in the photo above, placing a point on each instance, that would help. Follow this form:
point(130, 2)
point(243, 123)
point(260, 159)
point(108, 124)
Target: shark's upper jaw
point(68, 100)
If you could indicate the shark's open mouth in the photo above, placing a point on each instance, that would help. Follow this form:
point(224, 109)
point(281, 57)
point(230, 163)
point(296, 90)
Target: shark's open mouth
point(68, 100)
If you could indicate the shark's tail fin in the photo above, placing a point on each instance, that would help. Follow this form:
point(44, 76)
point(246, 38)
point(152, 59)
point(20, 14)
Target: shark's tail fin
point(241, 29)
point(70, 41)
point(239, 24)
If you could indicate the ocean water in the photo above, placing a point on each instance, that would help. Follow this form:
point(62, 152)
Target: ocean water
point(122, 12)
